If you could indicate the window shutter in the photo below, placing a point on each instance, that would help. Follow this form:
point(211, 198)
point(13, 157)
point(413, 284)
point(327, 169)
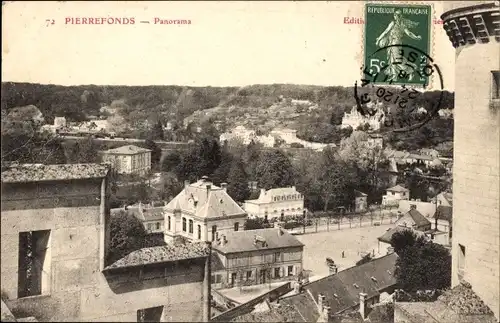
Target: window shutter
point(293, 270)
point(281, 272)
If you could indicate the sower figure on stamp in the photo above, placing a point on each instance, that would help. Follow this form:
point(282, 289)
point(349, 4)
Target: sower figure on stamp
point(393, 35)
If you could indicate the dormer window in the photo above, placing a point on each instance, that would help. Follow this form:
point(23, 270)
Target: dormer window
point(355, 285)
point(374, 279)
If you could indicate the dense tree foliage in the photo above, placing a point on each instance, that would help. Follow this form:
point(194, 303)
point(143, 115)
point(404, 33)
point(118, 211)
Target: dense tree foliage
point(127, 234)
point(238, 181)
point(274, 169)
point(421, 265)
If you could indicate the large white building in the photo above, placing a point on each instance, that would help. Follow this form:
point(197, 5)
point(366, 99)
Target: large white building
point(286, 201)
point(395, 194)
point(202, 212)
point(246, 136)
point(473, 29)
point(128, 159)
point(354, 119)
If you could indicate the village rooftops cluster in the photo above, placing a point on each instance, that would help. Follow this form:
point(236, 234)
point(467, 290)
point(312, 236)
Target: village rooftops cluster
point(25, 173)
point(162, 254)
point(259, 239)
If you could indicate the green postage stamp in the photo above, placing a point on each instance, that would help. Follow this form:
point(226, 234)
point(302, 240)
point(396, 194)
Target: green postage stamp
point(392, 31)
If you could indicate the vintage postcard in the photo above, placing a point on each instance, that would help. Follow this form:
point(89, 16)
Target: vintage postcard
point(250, 161)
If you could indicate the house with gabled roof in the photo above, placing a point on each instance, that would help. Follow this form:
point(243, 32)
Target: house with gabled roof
point(395, 194)
point(256, 257)
point(202, 212)
point(356, 288)
point(128, 159)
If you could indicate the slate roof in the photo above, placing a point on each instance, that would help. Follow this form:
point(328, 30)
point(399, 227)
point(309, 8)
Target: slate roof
point(418, 218)
point(303, 305)
point(444, 213)
point(244, 241)
point(126, 150)
point(25, 173)
point(161, 254)
point(216, 262)
point(342, 290)
point(462, 300)
point(198, 200)
point(397, 188)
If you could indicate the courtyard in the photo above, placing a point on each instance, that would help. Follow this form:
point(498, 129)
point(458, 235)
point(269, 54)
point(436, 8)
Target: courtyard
point(353, 241)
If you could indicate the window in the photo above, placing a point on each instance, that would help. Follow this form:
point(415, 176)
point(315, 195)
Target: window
point(249, 274)
point(34, 263)
point(184, 224)
point(236, 226)
point(461, 260)
point(290, 270)
point(152, 314)
point(190, 226)
point(495, 91)
point(168, 223)
point(277, 256)
point(214, 230)
point(150, 226)
point(199, 232)
point(218, 279)
point(277, 272)
point(157, 225)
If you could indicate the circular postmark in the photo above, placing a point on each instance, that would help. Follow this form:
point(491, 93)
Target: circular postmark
point(388, 92)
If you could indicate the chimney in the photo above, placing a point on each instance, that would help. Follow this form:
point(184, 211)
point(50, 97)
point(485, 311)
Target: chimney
point(333, 269)
point(204, 178)
point(223, 240)
point(321, 302)
point(326, 313)
point(362, 305)
point(298, 287)
point(390, 250)
point(224, 186)
point(413, 207)
point(262, 191)
point(209, 187)
point(186, 184)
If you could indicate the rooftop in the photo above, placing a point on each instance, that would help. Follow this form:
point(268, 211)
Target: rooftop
point(444, 213)
point(418, 218)
point(127, 150)
point(161, 254)
point(205, 200)
point(397, 188)
point(25, 173)
point(342, 290)
point(266, 196)
point(260, 239)
point(387, 236)
point(359, 194)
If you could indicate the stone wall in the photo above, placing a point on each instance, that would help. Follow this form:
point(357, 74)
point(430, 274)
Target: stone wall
point(77, 288)
point(476, 172)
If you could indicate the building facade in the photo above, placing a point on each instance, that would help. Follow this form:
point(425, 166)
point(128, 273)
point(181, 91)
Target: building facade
point(151, 216)
point(395, 194)
point(247, 136)
point(256, 257)
point(472, 27)
point(201, 212)
point(274, 203)
point(128, 159)
point(55, 238)
point(354, 119)
point(360, 201)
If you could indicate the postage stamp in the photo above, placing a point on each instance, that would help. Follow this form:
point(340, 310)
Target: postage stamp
point(387, 27)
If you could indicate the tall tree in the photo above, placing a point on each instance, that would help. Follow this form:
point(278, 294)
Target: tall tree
point(157, 131)
point(402, 240)
point(155, 152)
point(171, 161)
point(423, 266)
point(127, 235)
point(86, 151)
point(274, 169)
point(237, 179)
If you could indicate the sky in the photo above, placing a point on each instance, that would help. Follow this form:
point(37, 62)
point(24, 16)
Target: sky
point(226, 44)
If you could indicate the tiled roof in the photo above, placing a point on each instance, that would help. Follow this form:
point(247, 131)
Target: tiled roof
point(342, 290)
point(216, 262)
point(126, 150)
point(7, 315)
point(303, 305)
point(277, 313)
point(462, 300)
point(444, 213)
point(205, 202)
point(25, 173)
point(397, 188)
point(245, 241)
point(161, 254)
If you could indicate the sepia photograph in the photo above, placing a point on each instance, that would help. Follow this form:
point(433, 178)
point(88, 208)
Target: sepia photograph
point(250, 161)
